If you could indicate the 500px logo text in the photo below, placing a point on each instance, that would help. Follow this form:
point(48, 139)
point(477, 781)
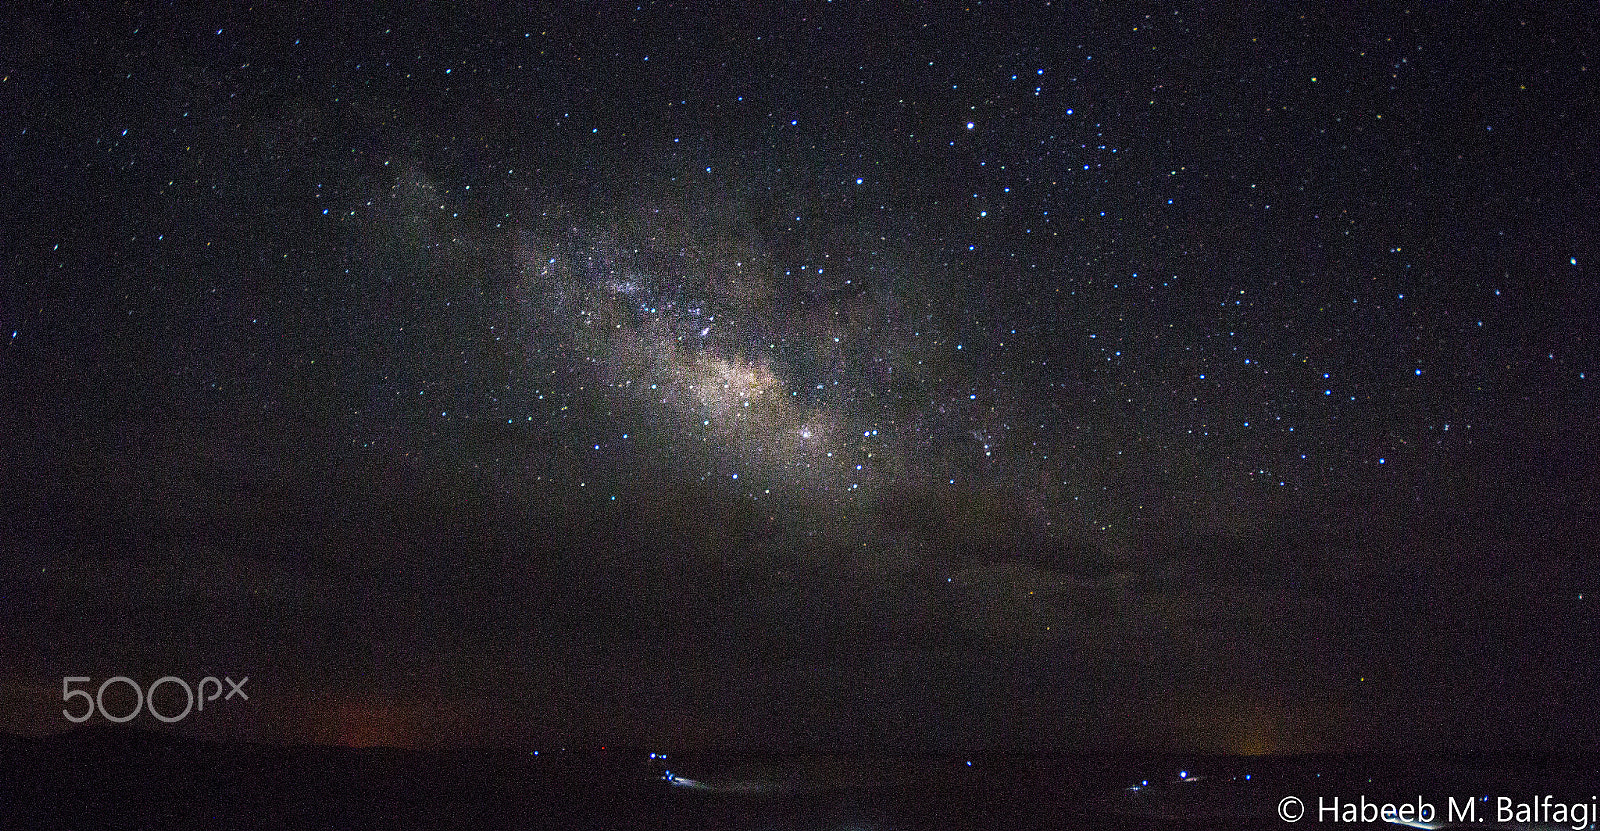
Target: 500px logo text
point(146, 698)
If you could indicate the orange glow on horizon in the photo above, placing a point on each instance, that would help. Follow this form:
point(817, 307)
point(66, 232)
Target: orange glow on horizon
point(369, 724)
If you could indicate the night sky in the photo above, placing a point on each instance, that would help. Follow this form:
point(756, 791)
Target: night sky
point(834, 376)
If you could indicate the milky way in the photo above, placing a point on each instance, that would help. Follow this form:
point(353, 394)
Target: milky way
point(682, 336)
point(970, 373)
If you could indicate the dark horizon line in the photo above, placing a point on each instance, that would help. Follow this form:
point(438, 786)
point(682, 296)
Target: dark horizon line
point(589, 749)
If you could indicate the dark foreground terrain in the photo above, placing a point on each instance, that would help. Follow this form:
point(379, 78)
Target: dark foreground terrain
point(132, 779)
